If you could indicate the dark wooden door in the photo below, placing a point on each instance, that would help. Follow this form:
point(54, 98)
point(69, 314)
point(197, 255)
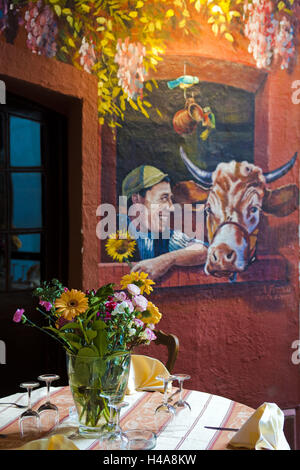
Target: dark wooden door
point(33, 233)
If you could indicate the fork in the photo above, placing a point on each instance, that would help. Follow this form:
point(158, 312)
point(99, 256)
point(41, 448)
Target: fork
point(13, 404)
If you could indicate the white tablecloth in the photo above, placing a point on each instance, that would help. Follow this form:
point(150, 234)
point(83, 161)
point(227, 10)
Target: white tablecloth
point(185, 433)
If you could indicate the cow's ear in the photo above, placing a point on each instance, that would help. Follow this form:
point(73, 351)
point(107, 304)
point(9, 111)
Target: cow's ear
point(189, 192)
point(282, 201)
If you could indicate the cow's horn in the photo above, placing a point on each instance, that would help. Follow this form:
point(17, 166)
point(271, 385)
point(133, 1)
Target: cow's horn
point(204, 177)
point(276, 174)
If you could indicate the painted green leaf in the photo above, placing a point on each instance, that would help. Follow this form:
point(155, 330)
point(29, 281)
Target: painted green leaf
point(57, 9)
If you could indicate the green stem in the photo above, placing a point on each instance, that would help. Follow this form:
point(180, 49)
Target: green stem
point(129, 263)
point(49, 334)
point(45, 315)
point(83, 332)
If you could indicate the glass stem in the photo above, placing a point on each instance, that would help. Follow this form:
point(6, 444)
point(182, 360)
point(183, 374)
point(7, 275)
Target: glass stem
point(165, 392)
point(117, 422)
point(180, 390)
point(29, 397)
point(48, 390)
point(112, 416)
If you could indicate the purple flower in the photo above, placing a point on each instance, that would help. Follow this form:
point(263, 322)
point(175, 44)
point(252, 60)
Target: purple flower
point(61, 321)
point(18, 315)
point(107, 316)
point(150, 335)
point(66, 289)
point(46, 305)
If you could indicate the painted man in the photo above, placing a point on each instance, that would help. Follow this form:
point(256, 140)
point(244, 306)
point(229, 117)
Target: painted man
point(159, 247)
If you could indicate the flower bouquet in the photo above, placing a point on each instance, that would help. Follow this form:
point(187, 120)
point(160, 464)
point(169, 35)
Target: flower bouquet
point(98, 329)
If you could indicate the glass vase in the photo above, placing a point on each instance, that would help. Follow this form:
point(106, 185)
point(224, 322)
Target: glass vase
point(90, 378)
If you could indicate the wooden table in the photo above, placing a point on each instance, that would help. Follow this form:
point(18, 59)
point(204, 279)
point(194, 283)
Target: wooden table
point(207, 410)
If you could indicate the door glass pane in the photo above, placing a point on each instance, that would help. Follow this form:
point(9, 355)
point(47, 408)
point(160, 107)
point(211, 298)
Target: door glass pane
point(1, 141)
point(26, 200)
point(25, 142)
point(3, 202)
point(25, 261)
point(2, 263)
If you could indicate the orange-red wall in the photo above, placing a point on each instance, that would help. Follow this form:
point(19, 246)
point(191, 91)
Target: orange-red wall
point(235, 340)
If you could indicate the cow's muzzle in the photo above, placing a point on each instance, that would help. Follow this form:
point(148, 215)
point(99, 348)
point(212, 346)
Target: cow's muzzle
point(230, 251)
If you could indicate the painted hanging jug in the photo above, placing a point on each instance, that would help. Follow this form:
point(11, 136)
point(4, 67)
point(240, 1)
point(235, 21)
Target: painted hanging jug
point(185, 120)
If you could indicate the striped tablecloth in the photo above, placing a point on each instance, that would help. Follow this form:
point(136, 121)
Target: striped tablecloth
point(181, 434)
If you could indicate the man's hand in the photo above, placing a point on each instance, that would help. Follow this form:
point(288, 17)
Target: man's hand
point(155, 267)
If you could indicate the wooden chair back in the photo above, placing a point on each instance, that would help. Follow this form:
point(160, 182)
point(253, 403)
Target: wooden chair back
point(172, 343)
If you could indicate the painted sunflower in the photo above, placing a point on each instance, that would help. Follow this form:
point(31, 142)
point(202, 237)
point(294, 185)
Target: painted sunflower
point(151, 315)
point(120, 246)
point(139, 279)
point(71, 304)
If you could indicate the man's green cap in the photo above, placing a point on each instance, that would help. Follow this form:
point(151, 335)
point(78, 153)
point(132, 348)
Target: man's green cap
point(142, 177)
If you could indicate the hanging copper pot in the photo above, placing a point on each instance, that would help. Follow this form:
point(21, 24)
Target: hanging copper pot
point(186, 120)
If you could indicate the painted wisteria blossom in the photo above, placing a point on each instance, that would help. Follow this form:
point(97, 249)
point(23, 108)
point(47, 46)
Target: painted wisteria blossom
point(131, 72)
point(87, 55)
point(42, 29)
point(268, 37)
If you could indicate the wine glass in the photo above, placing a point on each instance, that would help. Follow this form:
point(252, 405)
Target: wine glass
point(181, 403)
point(112, 437)
point(49, 414)
point(183, 416)
point(165, 407)
point(29, 420)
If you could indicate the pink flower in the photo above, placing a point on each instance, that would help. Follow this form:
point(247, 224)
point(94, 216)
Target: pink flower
point(120, 296)
point(18, 315)
point(150, 335)
point(46, 305)
point(133, 289)
point(140, 302)
point(138, 322)
point(66, 289)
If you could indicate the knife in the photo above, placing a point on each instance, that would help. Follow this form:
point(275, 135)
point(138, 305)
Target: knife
point(221, 429)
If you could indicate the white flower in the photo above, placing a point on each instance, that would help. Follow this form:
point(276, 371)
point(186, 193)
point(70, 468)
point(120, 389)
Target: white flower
point(120, 308)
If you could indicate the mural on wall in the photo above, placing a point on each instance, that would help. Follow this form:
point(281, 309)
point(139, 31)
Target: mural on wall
point(180, 141)
point(122, 42)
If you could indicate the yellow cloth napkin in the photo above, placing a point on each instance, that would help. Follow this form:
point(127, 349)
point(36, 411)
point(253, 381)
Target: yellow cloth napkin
point(263, 430)
point(56, 442)
point(143, 370)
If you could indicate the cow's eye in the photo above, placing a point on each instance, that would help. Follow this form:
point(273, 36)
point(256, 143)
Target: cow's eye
point(208, 210)
point(253, 209)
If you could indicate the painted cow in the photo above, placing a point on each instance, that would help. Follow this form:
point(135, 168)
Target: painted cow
point(235, 194)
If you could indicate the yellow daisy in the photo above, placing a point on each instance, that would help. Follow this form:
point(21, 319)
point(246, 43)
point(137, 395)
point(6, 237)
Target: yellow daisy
point(151, 315)
point(120, 245)
point(139, 279)
point(71, 304)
